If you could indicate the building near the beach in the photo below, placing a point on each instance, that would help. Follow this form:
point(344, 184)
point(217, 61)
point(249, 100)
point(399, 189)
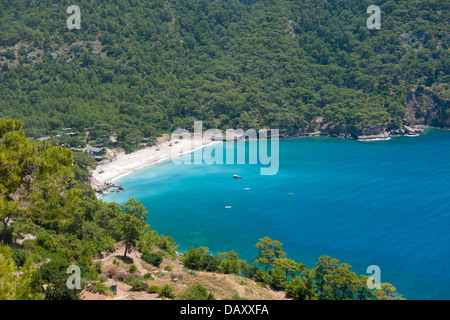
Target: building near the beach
point(94, 151)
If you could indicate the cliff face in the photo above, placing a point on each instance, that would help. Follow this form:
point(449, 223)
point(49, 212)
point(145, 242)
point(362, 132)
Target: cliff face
point(424, 107)
point(382, 131)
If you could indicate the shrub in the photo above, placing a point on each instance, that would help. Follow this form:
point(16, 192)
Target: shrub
point(210, 263)
point(137, 284)
point(167, 292)
point(153, 289)
point(152, 258)
point(262, 275)
point(196, 292)
point(148, 276)
point(98, 267)
point(199, 259)
point(59, 290)
point(133, 268)
point(122, 276)
point(278, 280)
point(297, 289)
point(102, 278)
point(19, 257)
point(89, 273)
point(46, 241)
point(112, 273)
point(30, 245)
point(192, 259)
point(168, 268)
point(101, 288)
point(248, 270)
point(50, 272)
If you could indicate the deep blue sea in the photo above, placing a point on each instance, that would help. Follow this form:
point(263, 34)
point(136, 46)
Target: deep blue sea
point(384, 203)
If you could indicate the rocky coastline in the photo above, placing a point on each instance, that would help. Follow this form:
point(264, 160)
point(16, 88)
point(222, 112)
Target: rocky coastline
point(102, 188)
point(376, 132)
point(424, 109)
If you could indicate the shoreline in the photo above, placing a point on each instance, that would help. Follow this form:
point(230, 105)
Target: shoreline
point(104, 176)
point(376, 133)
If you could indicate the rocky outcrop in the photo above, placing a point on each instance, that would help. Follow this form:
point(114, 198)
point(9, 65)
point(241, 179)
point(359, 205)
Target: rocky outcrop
point(374, 132)
point(425, 107)
point(412, 130)
point(101, 188)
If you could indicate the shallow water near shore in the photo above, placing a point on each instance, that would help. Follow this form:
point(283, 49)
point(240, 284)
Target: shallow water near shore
point(384, 203)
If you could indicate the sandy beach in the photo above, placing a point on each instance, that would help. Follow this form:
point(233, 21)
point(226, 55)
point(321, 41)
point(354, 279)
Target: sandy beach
point(124, 164)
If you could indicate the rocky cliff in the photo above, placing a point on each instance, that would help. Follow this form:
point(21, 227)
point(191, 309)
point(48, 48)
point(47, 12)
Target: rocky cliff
point(382, 131)
point(424, 108)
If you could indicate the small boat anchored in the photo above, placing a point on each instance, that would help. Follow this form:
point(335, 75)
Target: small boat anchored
point(235, 176)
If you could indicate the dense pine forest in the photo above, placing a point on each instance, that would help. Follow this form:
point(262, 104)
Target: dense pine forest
point(141, 68)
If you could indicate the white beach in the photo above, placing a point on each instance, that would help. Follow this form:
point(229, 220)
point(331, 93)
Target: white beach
point(124, 164)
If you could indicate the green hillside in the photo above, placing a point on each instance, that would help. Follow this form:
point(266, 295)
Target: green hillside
point(146, 67)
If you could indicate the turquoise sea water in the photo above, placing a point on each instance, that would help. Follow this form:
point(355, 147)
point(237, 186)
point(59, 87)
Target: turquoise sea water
point(384, 203)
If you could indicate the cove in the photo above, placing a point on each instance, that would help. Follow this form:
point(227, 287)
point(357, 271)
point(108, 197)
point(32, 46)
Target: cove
point(383, 203)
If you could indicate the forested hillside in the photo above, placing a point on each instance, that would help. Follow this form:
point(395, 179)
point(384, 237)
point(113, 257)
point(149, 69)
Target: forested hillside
point(146, 67)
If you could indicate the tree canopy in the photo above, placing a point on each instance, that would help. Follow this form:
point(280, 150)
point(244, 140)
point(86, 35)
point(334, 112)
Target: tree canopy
point(143, 68)
point(53, 220)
